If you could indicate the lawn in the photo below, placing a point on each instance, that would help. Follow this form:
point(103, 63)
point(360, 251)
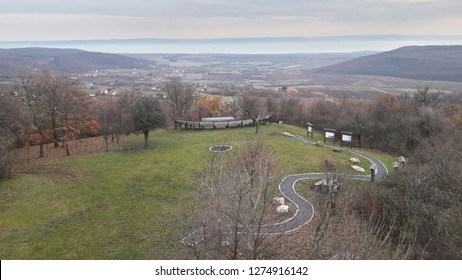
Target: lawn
point(124, 204)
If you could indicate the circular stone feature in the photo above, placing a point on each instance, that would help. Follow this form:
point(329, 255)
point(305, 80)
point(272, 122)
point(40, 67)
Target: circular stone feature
point(220, 148)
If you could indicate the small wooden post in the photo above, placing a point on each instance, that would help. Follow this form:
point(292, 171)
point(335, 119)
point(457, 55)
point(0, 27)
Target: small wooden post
point(373, 170)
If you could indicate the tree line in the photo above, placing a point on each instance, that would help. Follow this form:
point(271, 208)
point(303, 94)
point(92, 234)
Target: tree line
point(42, 108)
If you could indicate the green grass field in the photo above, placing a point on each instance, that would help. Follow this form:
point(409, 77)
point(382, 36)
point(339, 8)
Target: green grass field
point(120, 205)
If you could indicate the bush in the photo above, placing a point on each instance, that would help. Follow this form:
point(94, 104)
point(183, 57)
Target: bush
point(6, 160)
point(426, 198)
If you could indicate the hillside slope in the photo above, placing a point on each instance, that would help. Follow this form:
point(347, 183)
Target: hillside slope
point(435, 63)
point(12, 61)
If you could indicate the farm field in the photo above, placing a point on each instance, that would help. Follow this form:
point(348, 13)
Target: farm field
point(124, 204)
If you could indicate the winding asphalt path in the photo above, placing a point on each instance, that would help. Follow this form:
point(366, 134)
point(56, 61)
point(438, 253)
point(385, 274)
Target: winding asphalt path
point(304, 209)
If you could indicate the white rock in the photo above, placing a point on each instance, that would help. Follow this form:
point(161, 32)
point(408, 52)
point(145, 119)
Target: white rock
point(287, 134)
point(282, 209)
point(357, 168)
point(321, 183)
point(278, 201)
point(354, 160)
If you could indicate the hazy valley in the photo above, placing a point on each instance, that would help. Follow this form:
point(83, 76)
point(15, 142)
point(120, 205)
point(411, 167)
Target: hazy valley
point(359, 75)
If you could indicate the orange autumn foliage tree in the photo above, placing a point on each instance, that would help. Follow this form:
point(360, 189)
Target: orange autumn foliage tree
point(210, 106)
point(388, 100)
point(57, 107)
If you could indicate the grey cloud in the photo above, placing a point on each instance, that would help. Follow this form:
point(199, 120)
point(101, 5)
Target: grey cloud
point(243, 17)
point(353, 9)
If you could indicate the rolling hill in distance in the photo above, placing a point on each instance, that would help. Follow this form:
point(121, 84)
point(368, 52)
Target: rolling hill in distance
point(248, 45)
point(432, 63)
point(12, 61)
point(427, 63)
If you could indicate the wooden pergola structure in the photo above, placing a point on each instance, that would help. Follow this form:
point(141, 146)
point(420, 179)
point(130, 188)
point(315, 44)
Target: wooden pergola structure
point(219, 123)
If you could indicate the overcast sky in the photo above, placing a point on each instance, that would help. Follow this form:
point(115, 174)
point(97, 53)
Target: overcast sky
point(123, 19)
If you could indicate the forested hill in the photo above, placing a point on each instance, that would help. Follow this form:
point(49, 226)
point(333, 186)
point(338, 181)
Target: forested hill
point(432, 63)
point(12, 61)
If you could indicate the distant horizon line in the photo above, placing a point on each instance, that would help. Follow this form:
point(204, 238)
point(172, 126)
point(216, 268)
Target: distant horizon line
point(254, 38)
point(246, 45)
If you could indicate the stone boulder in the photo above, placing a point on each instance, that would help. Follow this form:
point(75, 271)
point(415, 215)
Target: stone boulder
point(355, 160)
point(278, 201)
point(282, 209)
point(320, 144)
point(358, 168)
point(325, 185)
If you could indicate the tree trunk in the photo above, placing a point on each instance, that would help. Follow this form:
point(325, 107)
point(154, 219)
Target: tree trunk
point(235, 250)
point(28, 153)
point(67, 149)
point(257, 125)
point(53, 127)
point(106, 142)
point(146, 138)
point(41, 155)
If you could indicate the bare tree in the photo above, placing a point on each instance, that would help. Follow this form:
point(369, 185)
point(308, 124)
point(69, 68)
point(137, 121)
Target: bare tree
point(179, 98)
point(427, 97)
point(290, 110)
point(272, 107)
point(72, 111)
point(123, 120)
point(34, 101)
point(320, 112)
point(250, 107)
point(10, 111)
point(10, 115)
point(234, 192)
point(107, 119)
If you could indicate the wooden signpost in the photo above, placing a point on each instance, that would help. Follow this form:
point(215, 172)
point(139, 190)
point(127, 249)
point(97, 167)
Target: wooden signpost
point(347, 138)
point(329, 133)
point(309, 130)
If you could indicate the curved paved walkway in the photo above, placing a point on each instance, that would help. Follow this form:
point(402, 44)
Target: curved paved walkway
point(304, 209)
